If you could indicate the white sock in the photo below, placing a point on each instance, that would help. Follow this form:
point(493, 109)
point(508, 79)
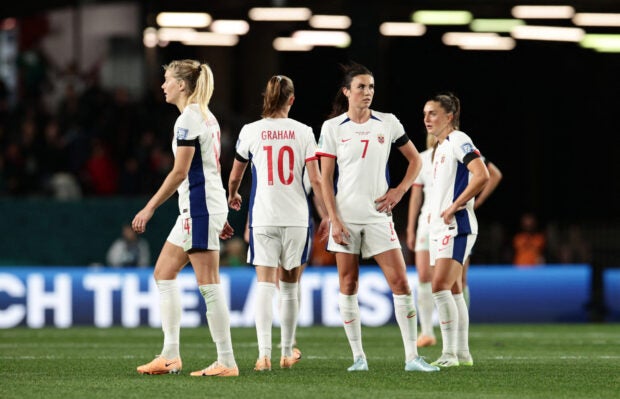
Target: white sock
point(448, 320)
point(462, 339)
point(264, 317)
point(466, 296)
point(425, 309)
point(170, 309)
point(404, 309)
point(289, 310)
point(299, 302)
point(350, 313)
point(219, 323)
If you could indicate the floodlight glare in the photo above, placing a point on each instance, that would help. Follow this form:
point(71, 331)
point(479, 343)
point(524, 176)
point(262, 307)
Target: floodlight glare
point(183, 19)
point(430, 17)
point(495, 25)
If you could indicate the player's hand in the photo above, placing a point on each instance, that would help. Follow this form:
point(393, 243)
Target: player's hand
point(141, 219)
point(227, 231)
point(340, 234)
point(323, 231)
point(234, 201)
point(388, 201)
point(448, 214)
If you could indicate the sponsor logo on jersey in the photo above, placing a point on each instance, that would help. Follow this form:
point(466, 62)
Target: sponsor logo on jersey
point(182, 133)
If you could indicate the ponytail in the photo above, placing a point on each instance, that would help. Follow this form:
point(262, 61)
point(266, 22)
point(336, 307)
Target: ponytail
point(277, 93)
point(198, 80)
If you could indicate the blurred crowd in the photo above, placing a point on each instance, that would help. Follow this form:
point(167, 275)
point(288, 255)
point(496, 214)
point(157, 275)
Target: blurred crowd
point(67, 137)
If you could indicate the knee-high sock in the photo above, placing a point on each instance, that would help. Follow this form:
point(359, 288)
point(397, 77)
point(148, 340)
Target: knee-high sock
point(466, 295)
point(404, 309)
point(425, 309)
point(299, 303)
point(448, 320)
point(264, 317)
point(170, 309)
point(289, 310)
point(219, 322)
point(462, 337)
point(350, 313)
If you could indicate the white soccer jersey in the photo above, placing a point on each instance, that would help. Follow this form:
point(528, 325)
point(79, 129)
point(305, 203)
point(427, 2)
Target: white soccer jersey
point(450, 178)
point(425, 180)
point(361, 152)
point(278, 150)
point(202, 192)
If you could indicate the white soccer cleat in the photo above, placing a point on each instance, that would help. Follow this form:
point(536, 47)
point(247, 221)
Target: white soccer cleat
point(419, 364)
point(360, 364)
point(465, 359)
point(446, 360)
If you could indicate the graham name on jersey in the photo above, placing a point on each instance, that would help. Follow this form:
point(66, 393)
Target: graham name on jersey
point(277, 134)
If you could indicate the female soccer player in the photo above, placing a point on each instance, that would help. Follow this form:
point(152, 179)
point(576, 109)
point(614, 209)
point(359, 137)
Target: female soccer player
point(459, 174)
point(417, 241)
point(279, 149)
point(201, 223)
point(357, 141)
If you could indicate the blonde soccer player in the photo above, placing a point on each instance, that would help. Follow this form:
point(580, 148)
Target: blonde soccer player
point(202, 219)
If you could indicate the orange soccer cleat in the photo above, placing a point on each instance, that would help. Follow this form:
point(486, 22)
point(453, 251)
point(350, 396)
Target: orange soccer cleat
point(161, 365)
point(217, 370)
point(263, 364)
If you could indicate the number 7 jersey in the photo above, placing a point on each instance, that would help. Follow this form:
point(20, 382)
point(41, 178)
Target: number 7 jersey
point(361, 152)
point(278, 149)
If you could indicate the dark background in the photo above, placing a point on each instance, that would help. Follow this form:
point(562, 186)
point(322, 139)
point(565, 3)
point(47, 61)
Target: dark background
point(546, 113)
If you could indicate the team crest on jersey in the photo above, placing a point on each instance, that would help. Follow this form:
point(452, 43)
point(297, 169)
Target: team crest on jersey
point(381, 138)
point(467, 148)
point(182, 133)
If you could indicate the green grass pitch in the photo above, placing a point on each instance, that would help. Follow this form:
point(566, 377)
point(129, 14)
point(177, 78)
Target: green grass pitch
point(511, 361)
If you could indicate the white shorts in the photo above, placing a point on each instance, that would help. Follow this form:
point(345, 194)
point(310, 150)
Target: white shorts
point(452, 247)
point(201, 232)
point(367, 239)
point(275, 246)
point(422, 235)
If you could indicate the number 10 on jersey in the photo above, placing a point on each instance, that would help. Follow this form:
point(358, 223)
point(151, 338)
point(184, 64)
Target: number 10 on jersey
point(285, 150)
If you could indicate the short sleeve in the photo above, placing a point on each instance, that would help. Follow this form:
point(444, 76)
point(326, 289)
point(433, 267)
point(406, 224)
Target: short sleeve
point(243, 143)
point(398, 131)
point(327, 142)
point(310, 146)
point(463, 148)
point(186, 128)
